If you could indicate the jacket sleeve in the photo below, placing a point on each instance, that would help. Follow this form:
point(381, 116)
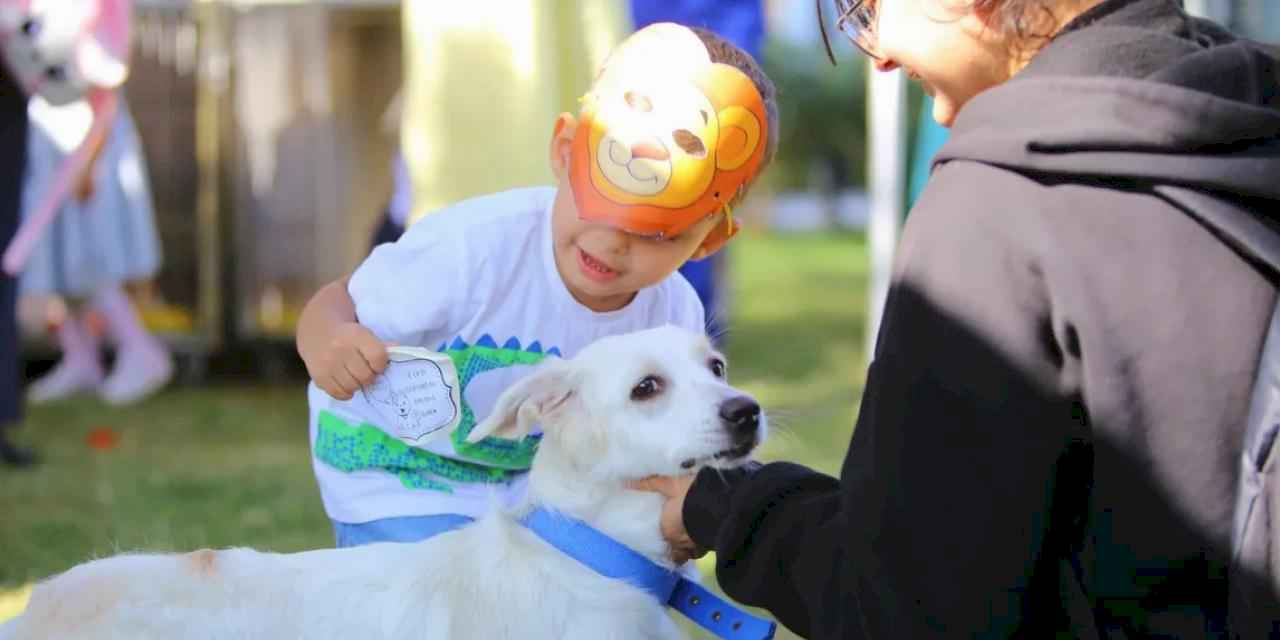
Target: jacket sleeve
point(967, 434)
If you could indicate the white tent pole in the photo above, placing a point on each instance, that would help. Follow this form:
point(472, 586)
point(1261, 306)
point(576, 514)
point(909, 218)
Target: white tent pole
point(1217, 10)
point(887, 180)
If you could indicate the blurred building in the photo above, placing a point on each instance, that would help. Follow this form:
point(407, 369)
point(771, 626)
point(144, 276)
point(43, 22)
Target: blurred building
point(484, 82)
point(261, 125)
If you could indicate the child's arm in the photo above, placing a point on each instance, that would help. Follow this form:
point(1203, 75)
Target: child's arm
point(341, 355)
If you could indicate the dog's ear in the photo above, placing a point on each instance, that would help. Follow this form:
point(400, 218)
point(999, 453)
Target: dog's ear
point(530, 400)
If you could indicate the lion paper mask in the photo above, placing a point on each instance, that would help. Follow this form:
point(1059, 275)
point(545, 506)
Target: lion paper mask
point(66, 53)
point(666, 138)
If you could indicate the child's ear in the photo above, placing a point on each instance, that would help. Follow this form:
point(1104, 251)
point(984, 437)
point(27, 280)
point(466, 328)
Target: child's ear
point(562, 144)
point(714, 239)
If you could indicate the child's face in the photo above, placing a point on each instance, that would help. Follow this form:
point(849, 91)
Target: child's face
point(604, 267)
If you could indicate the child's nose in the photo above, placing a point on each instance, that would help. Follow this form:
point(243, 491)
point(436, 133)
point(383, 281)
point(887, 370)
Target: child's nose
point(615, 241)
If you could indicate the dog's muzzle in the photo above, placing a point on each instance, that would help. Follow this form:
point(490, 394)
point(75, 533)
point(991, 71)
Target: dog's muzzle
point(741, 417)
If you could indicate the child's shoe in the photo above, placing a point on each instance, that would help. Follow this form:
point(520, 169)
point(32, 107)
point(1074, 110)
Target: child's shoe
point(71, 376)
point(78, 371)
point(141, 369)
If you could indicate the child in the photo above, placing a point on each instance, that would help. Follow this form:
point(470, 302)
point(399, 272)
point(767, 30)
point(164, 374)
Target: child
point(677, 126)
point(104, 237)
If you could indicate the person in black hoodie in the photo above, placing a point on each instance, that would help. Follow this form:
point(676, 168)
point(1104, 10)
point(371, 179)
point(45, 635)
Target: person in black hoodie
point(1050, 434)
point(13, 154)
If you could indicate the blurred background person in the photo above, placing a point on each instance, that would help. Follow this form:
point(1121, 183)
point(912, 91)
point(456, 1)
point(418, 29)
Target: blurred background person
point(13, 153)
point(104, 237)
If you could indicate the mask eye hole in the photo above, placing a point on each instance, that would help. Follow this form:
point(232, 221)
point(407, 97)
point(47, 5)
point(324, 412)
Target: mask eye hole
point(638, 101)
point(690, 143)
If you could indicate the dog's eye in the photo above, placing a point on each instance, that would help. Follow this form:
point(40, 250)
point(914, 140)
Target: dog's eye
point(649, 387)
point(717, 367)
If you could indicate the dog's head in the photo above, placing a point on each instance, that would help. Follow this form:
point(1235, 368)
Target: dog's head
point(654, 402)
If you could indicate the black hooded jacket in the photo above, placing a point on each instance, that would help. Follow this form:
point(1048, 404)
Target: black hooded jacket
point(1049, 437)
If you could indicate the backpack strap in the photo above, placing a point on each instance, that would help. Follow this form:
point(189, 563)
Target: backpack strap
point(1253, 605)
point(1254, 578)
point(1236, 223)
point(1256, 458)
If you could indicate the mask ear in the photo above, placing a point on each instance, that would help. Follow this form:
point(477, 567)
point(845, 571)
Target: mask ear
point(739, 137)
point(533, 399)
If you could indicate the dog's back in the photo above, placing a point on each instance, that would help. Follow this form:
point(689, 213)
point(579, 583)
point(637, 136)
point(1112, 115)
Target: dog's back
point(493, 579)
point(626, 407)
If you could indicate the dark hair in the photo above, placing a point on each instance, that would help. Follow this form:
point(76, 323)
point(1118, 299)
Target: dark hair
point(1028, 22)
point(1023, 22)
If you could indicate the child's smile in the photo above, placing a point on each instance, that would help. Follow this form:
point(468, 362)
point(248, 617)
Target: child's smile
point(595, 268)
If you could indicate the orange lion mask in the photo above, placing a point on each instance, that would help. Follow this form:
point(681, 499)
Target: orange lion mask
point(667, 138)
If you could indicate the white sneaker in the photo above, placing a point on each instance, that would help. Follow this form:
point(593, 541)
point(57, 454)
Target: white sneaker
point(139, 372)
point(68, 378)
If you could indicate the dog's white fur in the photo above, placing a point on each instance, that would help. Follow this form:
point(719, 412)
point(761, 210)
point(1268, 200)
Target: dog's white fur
point(492, 579)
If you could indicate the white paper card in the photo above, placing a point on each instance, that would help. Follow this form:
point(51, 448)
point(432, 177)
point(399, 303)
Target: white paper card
point(418, 397)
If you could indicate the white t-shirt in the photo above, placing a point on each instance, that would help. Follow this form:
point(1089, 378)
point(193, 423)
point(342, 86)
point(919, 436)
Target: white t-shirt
point(476, 281)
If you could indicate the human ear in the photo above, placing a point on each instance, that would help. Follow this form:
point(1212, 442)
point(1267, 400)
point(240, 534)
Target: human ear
point(562, 144)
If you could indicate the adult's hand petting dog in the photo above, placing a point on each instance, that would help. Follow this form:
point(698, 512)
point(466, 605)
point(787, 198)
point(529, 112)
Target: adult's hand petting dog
point(674, 489)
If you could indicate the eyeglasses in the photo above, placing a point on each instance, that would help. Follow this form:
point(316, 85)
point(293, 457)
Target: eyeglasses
point(857, 19)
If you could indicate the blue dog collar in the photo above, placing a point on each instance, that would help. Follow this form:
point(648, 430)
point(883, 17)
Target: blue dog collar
point(612, 559)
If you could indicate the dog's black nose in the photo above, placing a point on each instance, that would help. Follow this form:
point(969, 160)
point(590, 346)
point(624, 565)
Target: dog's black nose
point(742, 414)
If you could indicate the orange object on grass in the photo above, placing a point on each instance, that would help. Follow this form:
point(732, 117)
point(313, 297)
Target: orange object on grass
point(103, 438)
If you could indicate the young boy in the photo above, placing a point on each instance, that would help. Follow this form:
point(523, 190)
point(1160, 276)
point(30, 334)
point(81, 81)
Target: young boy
point(676, 127)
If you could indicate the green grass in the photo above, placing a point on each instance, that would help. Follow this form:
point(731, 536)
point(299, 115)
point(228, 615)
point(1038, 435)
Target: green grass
point(228, 465)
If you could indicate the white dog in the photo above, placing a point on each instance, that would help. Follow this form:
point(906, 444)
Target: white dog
point(652, 402)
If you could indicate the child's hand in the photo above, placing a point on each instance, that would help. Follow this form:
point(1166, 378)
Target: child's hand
point(352, 358)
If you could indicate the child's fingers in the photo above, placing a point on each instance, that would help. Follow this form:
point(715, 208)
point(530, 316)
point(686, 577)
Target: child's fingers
point(374, 353)
point(346, 383)
point(360, 370)
point(331, 387)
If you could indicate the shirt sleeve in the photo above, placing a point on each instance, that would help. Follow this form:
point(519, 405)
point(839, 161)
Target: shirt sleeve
point(686, 309)
point(410, 288)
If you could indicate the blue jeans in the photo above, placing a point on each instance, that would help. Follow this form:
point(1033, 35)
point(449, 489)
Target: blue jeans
point(404, 529)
